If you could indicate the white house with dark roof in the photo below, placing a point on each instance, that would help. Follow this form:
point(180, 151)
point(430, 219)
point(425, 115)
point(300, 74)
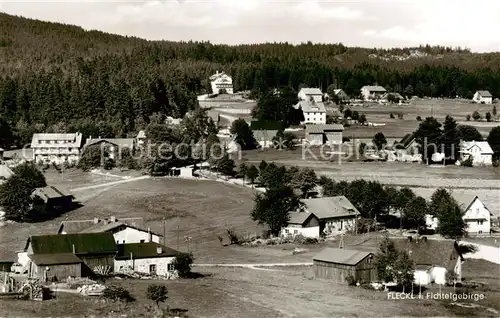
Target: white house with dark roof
point(302, 223)
point(481, 152)
point(56, 148)
point(220, 81)
point(371, 92)
point(314, 112)
point(77, 226)
point(335, 214)
point(125, 233)
point(477, 216)
point(308, 94)
point(483, 97)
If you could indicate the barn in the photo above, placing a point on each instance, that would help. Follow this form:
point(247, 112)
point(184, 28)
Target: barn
point(338, 264)
point(59, 266)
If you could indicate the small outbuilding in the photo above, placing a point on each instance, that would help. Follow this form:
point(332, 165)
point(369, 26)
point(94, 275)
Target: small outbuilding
point(339, 264)
point(58, 266)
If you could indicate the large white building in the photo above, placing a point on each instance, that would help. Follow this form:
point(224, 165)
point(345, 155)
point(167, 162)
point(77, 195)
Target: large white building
point(56, 148)
point(483, 97)
point(372, 92)
point(481, 152)
point(221, 81)
point(308, 94)
point(314, 112)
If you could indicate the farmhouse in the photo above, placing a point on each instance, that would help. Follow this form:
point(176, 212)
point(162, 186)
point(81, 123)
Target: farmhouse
point(327, 133)
point(372, 92)
point(481, 152)
point(335, 214)
point(477, 216)
point(339, 265)
point(482, 97)
point(56, 148)
point(314, 112)
point(94, 249)
point(77, 226)
point(433, 259)
point(221, 83)
point(148, 258)
point(301, 223)
point(395, 97)
point(310, 94)
point(340, 94)
point(124, 233)
point(55, 198)
point(265, 137)
point(114, 146)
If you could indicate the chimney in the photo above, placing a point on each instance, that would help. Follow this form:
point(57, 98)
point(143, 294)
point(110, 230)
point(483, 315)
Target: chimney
point(112, 218)
point(159, 250)
point(90, 137)
point(150, 236)
point(74, 251)
point(96, 220)
point(217, 72)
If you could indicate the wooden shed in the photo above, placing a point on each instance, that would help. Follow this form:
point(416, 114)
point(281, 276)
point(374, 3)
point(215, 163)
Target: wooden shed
point(57, 266)
point(338, 264)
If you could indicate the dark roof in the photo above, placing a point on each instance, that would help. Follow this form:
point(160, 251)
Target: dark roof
point(341, 256)
point(101, 227)
point(431, 252)
point(485, 93)
point(299, 217)
point(55, 259)
point(144, 250)
point(50, 192)
point(77, 226)
point(320, 129)
point(331, 207)
point(84, 243)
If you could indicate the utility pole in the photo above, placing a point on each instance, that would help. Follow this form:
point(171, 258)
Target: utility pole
point(177, 236)
point(164, 232)
point(188, 239)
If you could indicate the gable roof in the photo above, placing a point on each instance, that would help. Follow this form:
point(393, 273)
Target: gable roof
point(310, 91)
point(308, 106)
point(69, 140)
point(331, 207)
point(97, 228)
point(299, 217)
point(144, 250)
point(374, 88)
point(431, 252)
point(55, 259)
point(484, 146)
point(84, 243)
point(322, 128)
point(396, 95)
point(50, 192)
point(76, 226)
point(341, 256)
point(120, 142)
point(264, 135)
point(218, 75)
point(484, 93)
point(466, 200)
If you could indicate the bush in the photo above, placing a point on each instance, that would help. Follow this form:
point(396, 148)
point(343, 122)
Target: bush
point(468, 117)
point(496, 163)
point(157, 293)
point(467, 162)
point(351, 281)
point(182, 264)
point(391, 116)
point(233, 238)
point(117, 293)
point(419, 118)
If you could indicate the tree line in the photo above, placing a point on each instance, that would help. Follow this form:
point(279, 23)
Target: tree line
point(109, 85)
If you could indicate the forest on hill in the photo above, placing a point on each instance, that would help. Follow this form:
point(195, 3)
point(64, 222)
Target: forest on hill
point(59, 77)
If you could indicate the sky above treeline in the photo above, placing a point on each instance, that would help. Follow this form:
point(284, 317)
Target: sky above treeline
point(366, 23)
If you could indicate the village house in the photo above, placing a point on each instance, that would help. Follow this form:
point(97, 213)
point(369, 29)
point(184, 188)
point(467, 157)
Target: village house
point(433, 259)
point(181, 172)
point(388, 97)
point(372, 92)
point(482, 97)
point(481, 152)
point(302, 223)
point(335, 214)
point(93, 249)
point(405, 150)
point(265, 137)
point(77, 226)
point(477, 216)
point(148, 258)
point(314, 112)
point(125, 233)
point(340, 95)
point(55, 198)
point(220, 83)
point(56, 148)
point(320, 134)
point(310, 94)
point(114, 146)
point(341, 265)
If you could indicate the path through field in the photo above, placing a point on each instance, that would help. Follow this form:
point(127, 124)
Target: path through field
point(109, 184)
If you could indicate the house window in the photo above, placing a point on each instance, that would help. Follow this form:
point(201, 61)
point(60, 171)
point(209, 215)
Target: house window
point(142, 241)
point(170, 267)
point(480, 232)
point(295, 231)
point(287, 231)
point(152, 269)
point(123, 242)
point(369, 260)
point(480, 222)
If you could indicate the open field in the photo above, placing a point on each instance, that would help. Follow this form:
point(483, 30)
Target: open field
point(286, 292)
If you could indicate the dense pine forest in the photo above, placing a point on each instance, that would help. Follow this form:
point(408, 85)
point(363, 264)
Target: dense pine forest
point(57, 77)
